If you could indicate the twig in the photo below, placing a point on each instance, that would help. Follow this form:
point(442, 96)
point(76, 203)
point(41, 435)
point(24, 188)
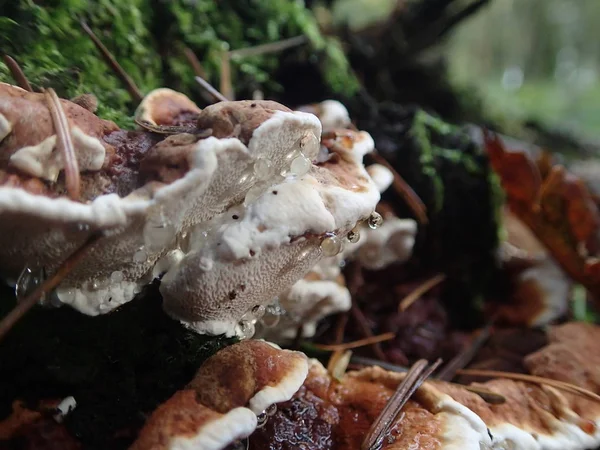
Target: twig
point(63, 270)
point(194, 62)
point(419, 291)
point(489, 396)
point(271, 47)
point(404, 190)
point(211, 90)
point(356, 344)
point(464, 357)
point(573, 389)
point(340, 327)
point(17, 73)
point(131, 87)
point(64, 144)
point(415, 377)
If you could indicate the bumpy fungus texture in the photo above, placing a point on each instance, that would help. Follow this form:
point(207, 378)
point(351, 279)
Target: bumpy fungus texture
point(228, 214)
point(148, 38)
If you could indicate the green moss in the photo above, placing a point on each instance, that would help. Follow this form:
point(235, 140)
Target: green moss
point(118, 367)
point(148, 38)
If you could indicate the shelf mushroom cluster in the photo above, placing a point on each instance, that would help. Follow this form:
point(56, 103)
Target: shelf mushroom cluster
point(228, 205)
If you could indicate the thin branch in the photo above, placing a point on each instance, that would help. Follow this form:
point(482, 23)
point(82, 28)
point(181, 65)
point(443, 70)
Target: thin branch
point(64, 144)
point(17, 73)
point(419, 291)
point(573, 389)
point(415, 377)
point(489, 396)
point(194, 62)
point(271, 47)
point(404, 190)
point(356, 344)
point(131, 87)
point(211, 90)
point(31, 300)
point(464, 357)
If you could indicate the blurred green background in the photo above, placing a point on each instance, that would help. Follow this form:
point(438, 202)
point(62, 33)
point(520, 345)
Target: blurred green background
point(535, 59)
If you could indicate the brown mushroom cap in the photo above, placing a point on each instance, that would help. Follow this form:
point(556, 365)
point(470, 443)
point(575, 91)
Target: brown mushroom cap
point(183, 422)
point(165, 106)
point(251, 373)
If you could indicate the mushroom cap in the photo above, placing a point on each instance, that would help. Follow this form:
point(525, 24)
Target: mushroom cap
point(273, 241)
point(339, 414)
point(165, 106)
point(182, 422)
point(255, 374)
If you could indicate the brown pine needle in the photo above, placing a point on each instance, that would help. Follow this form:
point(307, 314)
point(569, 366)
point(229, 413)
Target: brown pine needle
point(363, 326)
point(489, 396)
point(356, 344)
point(418, 292)
point(415, 377)
point(48, 285)
point(404, 190)
point(573, 389)
point(17, 73)
point(463, 358)
point(211, 90)
point(194, 62)
point(271, 47)
point(64, 144)
point(131, 87)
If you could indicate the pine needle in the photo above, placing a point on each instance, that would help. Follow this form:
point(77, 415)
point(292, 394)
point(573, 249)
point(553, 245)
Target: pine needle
point(562, 385)
point(415, 377)
point(419, 291)
point(64, 144)
point(17, 73)
point(356, 344)
point(211, 90)
point(31, 300)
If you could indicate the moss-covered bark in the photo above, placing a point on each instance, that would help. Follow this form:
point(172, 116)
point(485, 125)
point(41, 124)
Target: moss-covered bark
point(148, 38)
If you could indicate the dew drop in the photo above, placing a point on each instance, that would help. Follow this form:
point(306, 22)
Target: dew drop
point(116, 277)
point(262, 419)
point(272, 410)
point(310, 144)
point(137, 289)
point(262, 168)
point(205, 264)
point(247, 329)
point(375, 220)
point(331, 245)
point(158, 233)
point(140, 256)
point(300, 166)
point(29, 280)
point(258, 311)
point(253, 193)
point(353, 236)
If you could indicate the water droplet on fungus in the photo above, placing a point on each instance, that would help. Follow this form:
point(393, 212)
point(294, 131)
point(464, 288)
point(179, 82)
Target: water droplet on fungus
point(375, 220)
point(140, 256)
point(116, 277)
point(331, 245)
point(353, 236)
point(29, 280)
point(262, 419)
point(300, 166)
point(262, 168)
